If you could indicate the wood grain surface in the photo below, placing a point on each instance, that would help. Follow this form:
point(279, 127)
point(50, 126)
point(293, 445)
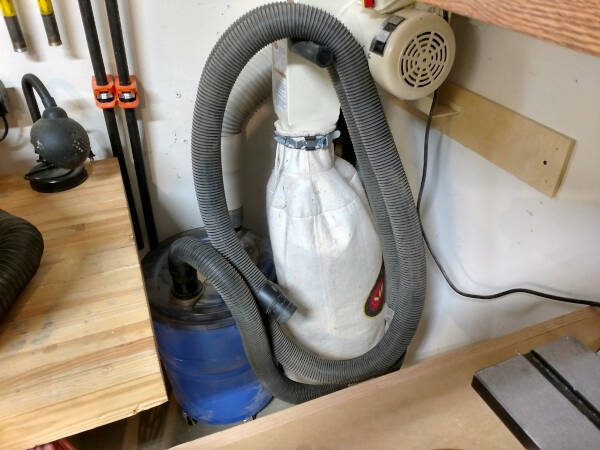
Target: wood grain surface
point(77, 349)
point(430, 405)
point(532, 152)
point(571, 23)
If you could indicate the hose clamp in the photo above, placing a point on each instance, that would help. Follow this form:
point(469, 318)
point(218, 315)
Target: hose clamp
point(317, 142)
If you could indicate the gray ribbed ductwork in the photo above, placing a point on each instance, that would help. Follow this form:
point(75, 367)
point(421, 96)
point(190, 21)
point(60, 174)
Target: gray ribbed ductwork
point(252, 88)
point(21, 248)
point(379, 166)
point(238, 298)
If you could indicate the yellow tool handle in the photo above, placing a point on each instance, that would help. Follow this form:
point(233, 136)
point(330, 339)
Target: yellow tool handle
point(8, 8)
point(45, 7)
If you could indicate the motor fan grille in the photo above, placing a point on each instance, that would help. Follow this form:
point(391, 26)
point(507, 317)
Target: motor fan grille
point(424, 59)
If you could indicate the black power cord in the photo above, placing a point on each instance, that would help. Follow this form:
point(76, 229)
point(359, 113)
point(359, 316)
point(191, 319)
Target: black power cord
point(459, 291)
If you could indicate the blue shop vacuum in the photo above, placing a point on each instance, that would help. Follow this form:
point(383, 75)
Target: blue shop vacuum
point(198, 342)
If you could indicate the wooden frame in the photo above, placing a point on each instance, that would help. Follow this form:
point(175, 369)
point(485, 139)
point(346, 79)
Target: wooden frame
point(570, 23)
point(430, 405)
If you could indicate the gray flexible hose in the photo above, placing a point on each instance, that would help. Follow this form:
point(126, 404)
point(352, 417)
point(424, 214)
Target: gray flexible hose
point(21, 248)
point(240, 301)
point(379, 166)
point(252, 87)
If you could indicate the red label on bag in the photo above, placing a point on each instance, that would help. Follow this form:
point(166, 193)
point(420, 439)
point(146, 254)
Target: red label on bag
point(374, 303)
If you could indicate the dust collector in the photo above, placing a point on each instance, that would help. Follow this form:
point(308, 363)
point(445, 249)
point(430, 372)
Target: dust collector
point(346, 241)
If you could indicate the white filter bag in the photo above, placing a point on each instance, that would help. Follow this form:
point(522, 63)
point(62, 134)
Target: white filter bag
point(326, 251)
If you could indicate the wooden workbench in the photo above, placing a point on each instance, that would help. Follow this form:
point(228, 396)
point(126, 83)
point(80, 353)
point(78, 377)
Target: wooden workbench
point(77, 349)
point(427, 406)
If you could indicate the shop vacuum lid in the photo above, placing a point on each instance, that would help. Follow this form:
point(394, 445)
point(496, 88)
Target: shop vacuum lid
point(209, 311)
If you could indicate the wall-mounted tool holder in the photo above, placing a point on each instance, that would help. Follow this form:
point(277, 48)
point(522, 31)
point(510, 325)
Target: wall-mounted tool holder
point(104, 94)
point(127, 94)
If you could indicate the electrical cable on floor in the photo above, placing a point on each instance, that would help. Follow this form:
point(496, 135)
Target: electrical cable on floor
point(459, 291)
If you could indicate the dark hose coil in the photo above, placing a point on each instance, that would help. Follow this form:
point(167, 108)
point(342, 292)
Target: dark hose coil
point(21, 248)
point(380, 169)
point(240, 301)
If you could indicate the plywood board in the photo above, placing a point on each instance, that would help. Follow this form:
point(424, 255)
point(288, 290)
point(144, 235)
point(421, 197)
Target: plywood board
point(573, 24)
point(532, 152)
point(427, 406)
point(77, 349)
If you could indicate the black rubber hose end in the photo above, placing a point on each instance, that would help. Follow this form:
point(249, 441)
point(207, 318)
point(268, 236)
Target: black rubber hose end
point(317, 54)
point(274, 303)
point(21, 248)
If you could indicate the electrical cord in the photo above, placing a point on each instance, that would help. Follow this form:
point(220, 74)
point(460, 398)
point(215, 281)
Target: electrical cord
point(456, 289)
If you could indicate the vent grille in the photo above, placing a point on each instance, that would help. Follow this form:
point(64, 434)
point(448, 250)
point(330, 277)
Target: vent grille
point(424, 59)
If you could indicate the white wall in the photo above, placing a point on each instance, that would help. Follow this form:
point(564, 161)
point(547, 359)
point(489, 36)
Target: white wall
point(490, 230)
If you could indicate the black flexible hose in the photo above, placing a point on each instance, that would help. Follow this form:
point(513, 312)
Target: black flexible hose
point(238, 298)
point(21, 248)
point(6, 128)
point(91, 36)
point(116, 33)
point(379, 166)
point(29, 83)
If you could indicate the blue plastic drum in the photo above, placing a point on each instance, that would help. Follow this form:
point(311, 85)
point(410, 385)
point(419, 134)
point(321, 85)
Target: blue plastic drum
point(201, 348)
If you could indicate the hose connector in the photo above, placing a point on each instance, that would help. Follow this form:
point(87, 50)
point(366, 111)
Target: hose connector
point(186, 288)
point(274, 303)
point(317, 54)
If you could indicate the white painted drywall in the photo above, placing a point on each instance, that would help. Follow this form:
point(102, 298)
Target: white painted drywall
point(491, 230)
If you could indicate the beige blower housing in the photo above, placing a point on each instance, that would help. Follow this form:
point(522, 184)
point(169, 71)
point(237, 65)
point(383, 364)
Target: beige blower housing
point(410, 52)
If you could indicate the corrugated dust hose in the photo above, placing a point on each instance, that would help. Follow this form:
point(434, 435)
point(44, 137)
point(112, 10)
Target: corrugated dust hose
point(381, 172)
point(21, 248)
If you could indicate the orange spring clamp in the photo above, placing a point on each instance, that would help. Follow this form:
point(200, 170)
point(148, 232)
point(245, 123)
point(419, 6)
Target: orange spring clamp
point(104, 94)
point(127, 94)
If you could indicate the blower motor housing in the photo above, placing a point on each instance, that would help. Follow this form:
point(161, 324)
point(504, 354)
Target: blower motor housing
point(410, 52)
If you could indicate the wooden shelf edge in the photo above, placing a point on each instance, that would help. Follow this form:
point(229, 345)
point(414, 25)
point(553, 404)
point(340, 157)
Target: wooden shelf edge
point(581, 324)
point(570, 24)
